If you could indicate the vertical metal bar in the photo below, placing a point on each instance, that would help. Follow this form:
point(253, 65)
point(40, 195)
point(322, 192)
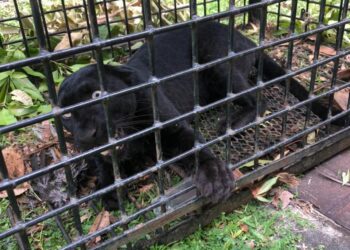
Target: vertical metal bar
point(155, 108)
point(13, 203)
point(67, 23)
point(53, 99)
point(42, 12)
point(104, 91)
point(307, 13)
point(161, 23)
point(175, 10)
point(263, 11)
point(108, 24)
point(87, 19)
point(126, 22)
point(19, 18)
point(229, 87)
point(289, 66)
point(314, 70)
point(194, 44)
point(343, 9)
point(205, 7)
point(278, 16)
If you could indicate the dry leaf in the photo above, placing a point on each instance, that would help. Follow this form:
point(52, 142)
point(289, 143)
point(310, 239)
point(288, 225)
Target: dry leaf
point(288, 179)
point(344, 75)
point(22, 97)
point(14, 162)
point(244, 227)
point(237, 174)
point(341, 99)
point(284, 196)
point(64, 43)
point(251, 244)
point(102, 220)
point(324, 50)
point(22, 188)
point(146, 188)
point(36, 228)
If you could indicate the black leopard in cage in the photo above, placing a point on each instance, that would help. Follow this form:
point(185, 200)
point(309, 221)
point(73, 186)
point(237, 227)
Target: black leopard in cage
point(133, 112)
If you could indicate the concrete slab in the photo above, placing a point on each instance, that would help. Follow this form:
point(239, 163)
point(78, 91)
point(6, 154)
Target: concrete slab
point(321, 187)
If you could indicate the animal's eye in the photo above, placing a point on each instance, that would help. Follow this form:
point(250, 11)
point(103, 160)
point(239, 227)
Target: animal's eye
point(96, 94)
point(67, 115)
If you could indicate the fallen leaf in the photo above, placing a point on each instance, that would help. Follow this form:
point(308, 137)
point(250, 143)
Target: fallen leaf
point(251, 244)
point(265, 187)
point(14, 162)
point(288, 179)
point(64, 43)
point(22, 97)
point(146, 188)
point(22, 188)
point(341, 98)
point(345, 177)
point(324, 50)
point(282, 196)
point(244, 227)
point(344, 75)
point(36, 228)
point(237, 174)
point(102, 220)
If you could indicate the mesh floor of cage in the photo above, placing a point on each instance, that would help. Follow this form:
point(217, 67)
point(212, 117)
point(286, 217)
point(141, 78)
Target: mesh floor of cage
point(270, 132)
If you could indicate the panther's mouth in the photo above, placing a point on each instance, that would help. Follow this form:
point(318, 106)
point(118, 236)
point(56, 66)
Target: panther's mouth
point(119, 133)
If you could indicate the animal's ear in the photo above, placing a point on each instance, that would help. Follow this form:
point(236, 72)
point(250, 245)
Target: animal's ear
point(126, 73)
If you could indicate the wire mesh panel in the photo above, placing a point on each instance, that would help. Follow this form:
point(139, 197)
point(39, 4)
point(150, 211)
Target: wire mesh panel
point(107, 170)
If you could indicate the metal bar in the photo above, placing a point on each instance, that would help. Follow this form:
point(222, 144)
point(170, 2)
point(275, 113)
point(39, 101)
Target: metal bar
point(259, 80)
point(53, 99)
point(23, 34)
point(146, 5)
point(301, 161)
point(229, 85)
point(289, 67)
point(104, 91)
point(314, 70)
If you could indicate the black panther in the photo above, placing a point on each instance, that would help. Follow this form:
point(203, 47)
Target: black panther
point(133, 112)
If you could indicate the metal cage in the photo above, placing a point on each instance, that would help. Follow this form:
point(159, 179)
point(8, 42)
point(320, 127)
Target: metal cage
point(177, 211)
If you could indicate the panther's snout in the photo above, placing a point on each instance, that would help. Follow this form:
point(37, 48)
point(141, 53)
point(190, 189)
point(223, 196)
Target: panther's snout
point(119, 133)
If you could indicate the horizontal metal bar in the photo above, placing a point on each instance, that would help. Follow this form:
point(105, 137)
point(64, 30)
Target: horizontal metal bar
point(122, 39)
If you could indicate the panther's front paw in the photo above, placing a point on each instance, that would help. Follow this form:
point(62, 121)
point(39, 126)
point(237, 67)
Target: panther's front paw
point(214, 180)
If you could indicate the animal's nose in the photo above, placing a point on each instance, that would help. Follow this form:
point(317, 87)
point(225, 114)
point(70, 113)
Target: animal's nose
point(87, 137)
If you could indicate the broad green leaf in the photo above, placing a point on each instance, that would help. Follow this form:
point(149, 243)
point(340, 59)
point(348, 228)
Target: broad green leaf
point(43, 109)
point(267, 186)
point(5, 74)
point(6, 117)
point(4, 89)
point(57, 77)
point(18, 75)
point(31, 72)
point(28, 87)
point(18, 110)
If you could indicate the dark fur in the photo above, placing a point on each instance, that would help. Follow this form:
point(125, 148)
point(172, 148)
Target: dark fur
point(133, 112)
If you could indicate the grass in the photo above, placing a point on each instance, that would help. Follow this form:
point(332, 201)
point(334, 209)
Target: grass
point(252, 225)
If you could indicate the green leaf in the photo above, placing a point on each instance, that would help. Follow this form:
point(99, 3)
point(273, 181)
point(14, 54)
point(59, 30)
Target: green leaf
point(267, 186)
point(262, 199)
point(43, 109)
point(6, 117)
point(31, 72)
point(19, 110)
point(57, 77)
point(76, 67)
point(28, 87)
point(5, 74)
point(18, 75)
